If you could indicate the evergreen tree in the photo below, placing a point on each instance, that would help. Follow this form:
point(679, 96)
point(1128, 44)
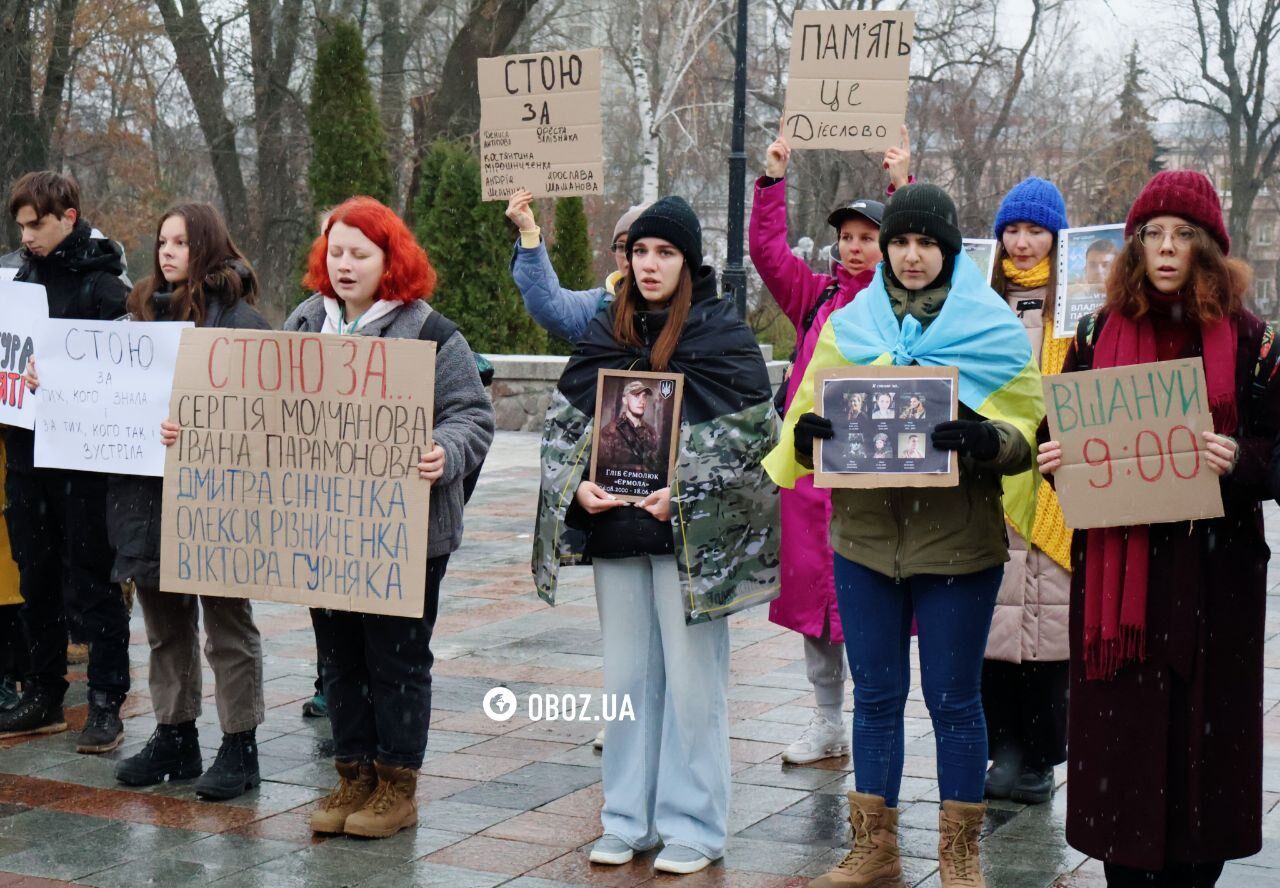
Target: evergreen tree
point(469, 242)
point(1131, 155)
point(348, 147)
point(571, 248)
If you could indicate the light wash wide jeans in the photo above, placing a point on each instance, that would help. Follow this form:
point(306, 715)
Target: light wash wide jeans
point(666, 774)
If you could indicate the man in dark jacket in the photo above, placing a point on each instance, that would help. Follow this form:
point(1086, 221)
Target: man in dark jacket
point(57, 519)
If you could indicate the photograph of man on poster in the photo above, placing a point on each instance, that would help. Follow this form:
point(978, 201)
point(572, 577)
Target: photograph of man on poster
point(909, 447)
point(914, 408)
point(1085, 256)
point(636, 415)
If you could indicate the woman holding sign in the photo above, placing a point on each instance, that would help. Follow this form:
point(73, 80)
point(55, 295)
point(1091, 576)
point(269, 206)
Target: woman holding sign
point(808, 600)
point(199, 275)
point(1024, 677)
point(1167, 620)
point(373, 279)
point(663, 582)
point(932, 553)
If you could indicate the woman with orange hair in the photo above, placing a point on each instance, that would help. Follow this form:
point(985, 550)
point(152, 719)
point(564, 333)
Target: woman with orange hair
point(373, 279)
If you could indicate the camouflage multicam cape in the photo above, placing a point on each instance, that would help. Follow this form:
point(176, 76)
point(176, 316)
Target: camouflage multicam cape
point(724, 509)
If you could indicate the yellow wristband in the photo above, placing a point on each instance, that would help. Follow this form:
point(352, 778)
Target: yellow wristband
point(531, 238)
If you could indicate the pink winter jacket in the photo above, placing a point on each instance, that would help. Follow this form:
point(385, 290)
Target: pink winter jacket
point(808, 600)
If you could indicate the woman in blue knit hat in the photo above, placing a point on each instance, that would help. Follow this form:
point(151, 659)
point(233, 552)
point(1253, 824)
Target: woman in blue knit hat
point(1024, 677)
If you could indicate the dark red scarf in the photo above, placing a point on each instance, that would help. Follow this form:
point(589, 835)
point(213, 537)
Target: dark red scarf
point(1115, 585)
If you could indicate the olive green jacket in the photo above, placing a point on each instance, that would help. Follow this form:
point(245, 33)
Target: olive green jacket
point(900, 532)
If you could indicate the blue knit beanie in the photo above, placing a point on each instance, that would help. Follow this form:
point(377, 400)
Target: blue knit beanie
point(1033, 200)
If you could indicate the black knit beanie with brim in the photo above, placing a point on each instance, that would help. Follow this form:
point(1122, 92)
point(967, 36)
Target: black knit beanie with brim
point(922, 209)
point(673, 220)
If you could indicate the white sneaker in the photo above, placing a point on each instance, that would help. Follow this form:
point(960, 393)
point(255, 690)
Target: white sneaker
point(611, 851)
point(822, 739)
point(598, 743)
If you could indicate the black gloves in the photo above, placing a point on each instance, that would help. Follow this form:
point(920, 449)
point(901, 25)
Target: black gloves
point(968, 437)
point(808, 427)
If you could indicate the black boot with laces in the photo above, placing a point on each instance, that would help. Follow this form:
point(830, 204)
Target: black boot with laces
point(235, 770)
point(173, 751)
point(103, 730)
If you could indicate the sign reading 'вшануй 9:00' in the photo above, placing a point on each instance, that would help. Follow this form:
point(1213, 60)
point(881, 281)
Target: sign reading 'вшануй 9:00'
point(1132, 444)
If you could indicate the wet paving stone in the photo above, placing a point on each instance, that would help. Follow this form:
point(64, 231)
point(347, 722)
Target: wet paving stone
point(515, 803)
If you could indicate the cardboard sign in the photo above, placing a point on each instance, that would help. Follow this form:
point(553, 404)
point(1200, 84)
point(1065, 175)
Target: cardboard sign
point(104, 390)
point(540, 124)
point(636, 431)
point(1131, 444)
point(295, 476)
point(983, 252)
point(884, 417)
point(1085, 256)
point(24, 308)
point(847, 82)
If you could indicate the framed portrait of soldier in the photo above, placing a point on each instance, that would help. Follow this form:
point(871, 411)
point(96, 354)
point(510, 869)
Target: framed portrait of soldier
point(636, 432)
point(1085, 256)
point(883, 419)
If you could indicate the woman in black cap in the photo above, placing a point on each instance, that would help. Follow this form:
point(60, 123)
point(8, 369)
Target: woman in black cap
point(929, 554)
point(808, 601)
point(662, 582)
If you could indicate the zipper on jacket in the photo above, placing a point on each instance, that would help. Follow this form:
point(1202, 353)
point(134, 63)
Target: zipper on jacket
point(895, 510)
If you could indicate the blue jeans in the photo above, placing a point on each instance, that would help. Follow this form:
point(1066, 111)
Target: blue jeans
point(665, 774)
point(953, 616)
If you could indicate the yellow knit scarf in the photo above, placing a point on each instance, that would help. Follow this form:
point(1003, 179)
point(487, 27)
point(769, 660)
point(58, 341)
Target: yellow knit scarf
point(1035, 276)
point(1049, 533)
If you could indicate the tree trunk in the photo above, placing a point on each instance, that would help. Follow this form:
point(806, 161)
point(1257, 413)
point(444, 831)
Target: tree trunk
point(454, 110)
point(193, 48)
point(279, 222)
point(651, 146)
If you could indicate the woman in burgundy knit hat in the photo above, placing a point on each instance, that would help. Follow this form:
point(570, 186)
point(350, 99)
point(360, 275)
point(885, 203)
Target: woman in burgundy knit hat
point(1165, 725)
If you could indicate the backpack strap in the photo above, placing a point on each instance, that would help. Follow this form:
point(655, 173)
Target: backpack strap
point(1086, 337)
point(812, 315)
point(439, 329)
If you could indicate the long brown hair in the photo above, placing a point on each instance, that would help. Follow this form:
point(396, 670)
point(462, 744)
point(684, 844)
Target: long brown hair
point(629, 302)
point(1215, 287)
point(214, 265)
point(1000, 283)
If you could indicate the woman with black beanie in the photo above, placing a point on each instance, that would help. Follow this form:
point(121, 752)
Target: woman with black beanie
point(935, 554)
point(663, 581)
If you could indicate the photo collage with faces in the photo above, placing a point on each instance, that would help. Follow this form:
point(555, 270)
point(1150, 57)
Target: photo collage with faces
point(884, 425)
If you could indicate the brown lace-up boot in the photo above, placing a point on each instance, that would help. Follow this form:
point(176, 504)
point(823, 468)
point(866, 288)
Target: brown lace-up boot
point(356, 782)
point(872, 861)
point(392, 806)
point(959, 824)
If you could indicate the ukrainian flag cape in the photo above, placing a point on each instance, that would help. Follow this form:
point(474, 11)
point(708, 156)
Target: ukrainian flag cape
point(975, 332)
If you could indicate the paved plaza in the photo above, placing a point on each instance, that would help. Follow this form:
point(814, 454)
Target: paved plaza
point(511, 803)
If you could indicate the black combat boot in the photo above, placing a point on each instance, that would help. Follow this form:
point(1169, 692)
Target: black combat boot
point(173, 751)
point(234, 771)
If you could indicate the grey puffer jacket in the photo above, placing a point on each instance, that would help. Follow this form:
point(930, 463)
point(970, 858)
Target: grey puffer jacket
point(463, 418)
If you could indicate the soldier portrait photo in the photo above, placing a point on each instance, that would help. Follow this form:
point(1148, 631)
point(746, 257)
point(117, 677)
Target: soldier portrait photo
point(635, 420)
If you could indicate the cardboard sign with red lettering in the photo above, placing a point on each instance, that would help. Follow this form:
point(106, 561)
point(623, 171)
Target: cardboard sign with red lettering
point(25, 307)
point(1132, 444)
point(540, 124)
point(295, 477)
point(847, 79)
